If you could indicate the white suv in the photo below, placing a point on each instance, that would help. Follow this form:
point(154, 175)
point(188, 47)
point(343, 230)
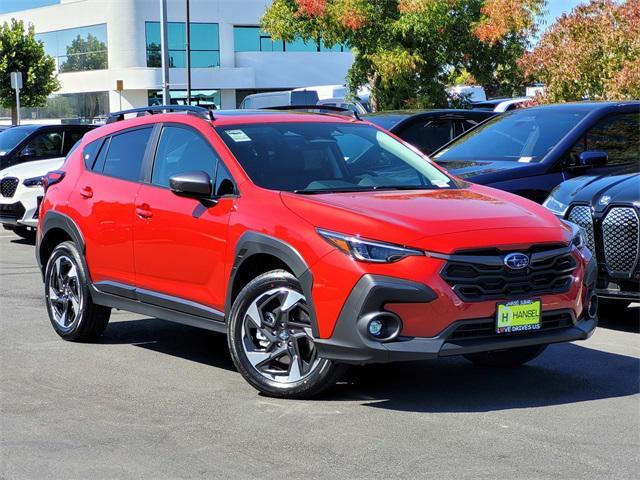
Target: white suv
point(21, 192)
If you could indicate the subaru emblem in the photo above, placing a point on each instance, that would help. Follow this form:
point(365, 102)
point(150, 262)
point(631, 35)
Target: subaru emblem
point(516, 261)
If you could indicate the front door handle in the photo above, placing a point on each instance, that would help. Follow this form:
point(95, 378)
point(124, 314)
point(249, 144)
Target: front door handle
point(144, 211)
point(86, 192)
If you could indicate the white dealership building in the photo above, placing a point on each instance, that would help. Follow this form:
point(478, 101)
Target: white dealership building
point(97, 43)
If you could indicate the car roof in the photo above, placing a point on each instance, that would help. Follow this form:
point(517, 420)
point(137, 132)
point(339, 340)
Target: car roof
point(392, 119)
point(223, 118)
point(584, 106)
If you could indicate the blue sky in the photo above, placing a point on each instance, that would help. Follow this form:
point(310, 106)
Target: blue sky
point(555, 7)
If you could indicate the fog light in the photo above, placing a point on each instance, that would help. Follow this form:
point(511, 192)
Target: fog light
point(375, 327)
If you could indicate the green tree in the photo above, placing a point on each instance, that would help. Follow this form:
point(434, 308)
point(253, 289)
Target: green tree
point(409, 51)
point(593, 52)
point(21, 52)
point(85, 54)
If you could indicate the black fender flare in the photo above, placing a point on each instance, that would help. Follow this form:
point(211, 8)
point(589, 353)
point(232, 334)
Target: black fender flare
point(253, 243)
point(56, 220)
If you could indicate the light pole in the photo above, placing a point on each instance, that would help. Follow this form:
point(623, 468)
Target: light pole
point(188, 51)
point(164, 52)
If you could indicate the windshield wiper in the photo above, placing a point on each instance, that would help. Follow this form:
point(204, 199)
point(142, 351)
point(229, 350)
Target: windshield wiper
point(372, 188)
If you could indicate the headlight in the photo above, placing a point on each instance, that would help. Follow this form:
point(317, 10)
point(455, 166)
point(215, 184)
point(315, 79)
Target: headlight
point(33, 182)
point(368, 250)
point(555, 205)
point(578, 234)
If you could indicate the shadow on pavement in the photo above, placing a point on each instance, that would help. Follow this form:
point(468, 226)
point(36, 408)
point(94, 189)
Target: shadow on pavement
point(189, 343)
point(563, 374)
point(627, 320)
point(23, 241)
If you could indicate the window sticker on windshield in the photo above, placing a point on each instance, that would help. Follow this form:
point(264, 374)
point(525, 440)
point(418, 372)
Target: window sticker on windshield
point(238, 136)
point(525, 159)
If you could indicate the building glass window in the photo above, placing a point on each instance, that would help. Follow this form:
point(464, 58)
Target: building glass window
point(252, 39)
point(205, 45)
point(84, 107)
point(203, 98)
point(77, 49)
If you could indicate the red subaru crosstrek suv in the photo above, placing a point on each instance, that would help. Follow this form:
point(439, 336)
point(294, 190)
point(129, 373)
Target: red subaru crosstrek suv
point(313, 240)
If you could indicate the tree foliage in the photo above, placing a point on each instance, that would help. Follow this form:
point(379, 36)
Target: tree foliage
point(21, 52)
point(85, 54)
point(593, 52)
point(408, 51)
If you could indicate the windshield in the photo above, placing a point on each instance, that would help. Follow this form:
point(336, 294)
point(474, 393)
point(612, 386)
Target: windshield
point(521, 136)
point(11, 137)
point(329, 157)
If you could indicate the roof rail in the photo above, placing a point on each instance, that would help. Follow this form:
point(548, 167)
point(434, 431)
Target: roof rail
point(201, 112)
point(306, 108)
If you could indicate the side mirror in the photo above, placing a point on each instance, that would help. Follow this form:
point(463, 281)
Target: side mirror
point(593, 158)
point(191, 184)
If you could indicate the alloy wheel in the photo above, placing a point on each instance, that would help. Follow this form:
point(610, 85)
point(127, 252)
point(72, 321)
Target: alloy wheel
point(277, 338)
point(65, 294)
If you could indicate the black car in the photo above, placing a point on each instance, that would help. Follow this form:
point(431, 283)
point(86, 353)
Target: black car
point(26, 143)
point(428, 130)
point(608, 208)
point(530, 151)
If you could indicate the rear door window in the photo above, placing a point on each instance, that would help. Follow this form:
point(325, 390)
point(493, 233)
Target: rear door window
point(125, 154)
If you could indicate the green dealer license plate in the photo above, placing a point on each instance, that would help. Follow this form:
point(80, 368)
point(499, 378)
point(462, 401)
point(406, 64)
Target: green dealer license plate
point(518, 316)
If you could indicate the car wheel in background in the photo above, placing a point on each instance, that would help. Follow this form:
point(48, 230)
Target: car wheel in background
point(73, 314)
point(270, 339)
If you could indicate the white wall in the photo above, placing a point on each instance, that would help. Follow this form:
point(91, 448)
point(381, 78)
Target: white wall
point(125, 21)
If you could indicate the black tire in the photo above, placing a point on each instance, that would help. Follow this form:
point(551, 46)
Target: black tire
point(609, 307)
point(26, 233)
point(513, 357)
point(91, 319)
point(326, 372)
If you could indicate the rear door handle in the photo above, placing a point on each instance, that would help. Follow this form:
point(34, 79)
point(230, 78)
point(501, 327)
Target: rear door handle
point(86, 192)
point(143, 211)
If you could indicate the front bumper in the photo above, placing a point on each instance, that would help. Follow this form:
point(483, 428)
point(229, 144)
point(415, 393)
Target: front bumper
point(22, 210)
point(351, 344)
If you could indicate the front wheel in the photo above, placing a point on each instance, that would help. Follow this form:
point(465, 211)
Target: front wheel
point(270, 339)
point(512, 357)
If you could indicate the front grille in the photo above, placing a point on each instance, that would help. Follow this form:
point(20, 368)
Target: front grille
point(11, 212)
point(8, 186)
point(479, 278)
point(581, 215)
point(487, 328)
point(621, 239)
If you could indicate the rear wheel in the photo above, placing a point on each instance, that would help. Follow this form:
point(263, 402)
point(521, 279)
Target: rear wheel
point(270, 339)
point(73, 314)
point(512, 357)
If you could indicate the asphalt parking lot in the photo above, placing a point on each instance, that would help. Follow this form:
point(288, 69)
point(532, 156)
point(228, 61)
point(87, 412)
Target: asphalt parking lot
point(157, 400)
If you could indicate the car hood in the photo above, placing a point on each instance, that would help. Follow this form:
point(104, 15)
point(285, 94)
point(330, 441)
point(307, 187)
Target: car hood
point(474, 168)
point(436, 220)
point(599, 191)
point(32, 169)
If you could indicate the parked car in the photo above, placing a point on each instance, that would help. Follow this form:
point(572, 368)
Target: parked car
point(21, 191)
point(27, 143)
point(273, 99)
point(531, 151)
point(501, 105)
point(341, 102)
point(608, 208)
point(254, 224)
point(428, 130)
